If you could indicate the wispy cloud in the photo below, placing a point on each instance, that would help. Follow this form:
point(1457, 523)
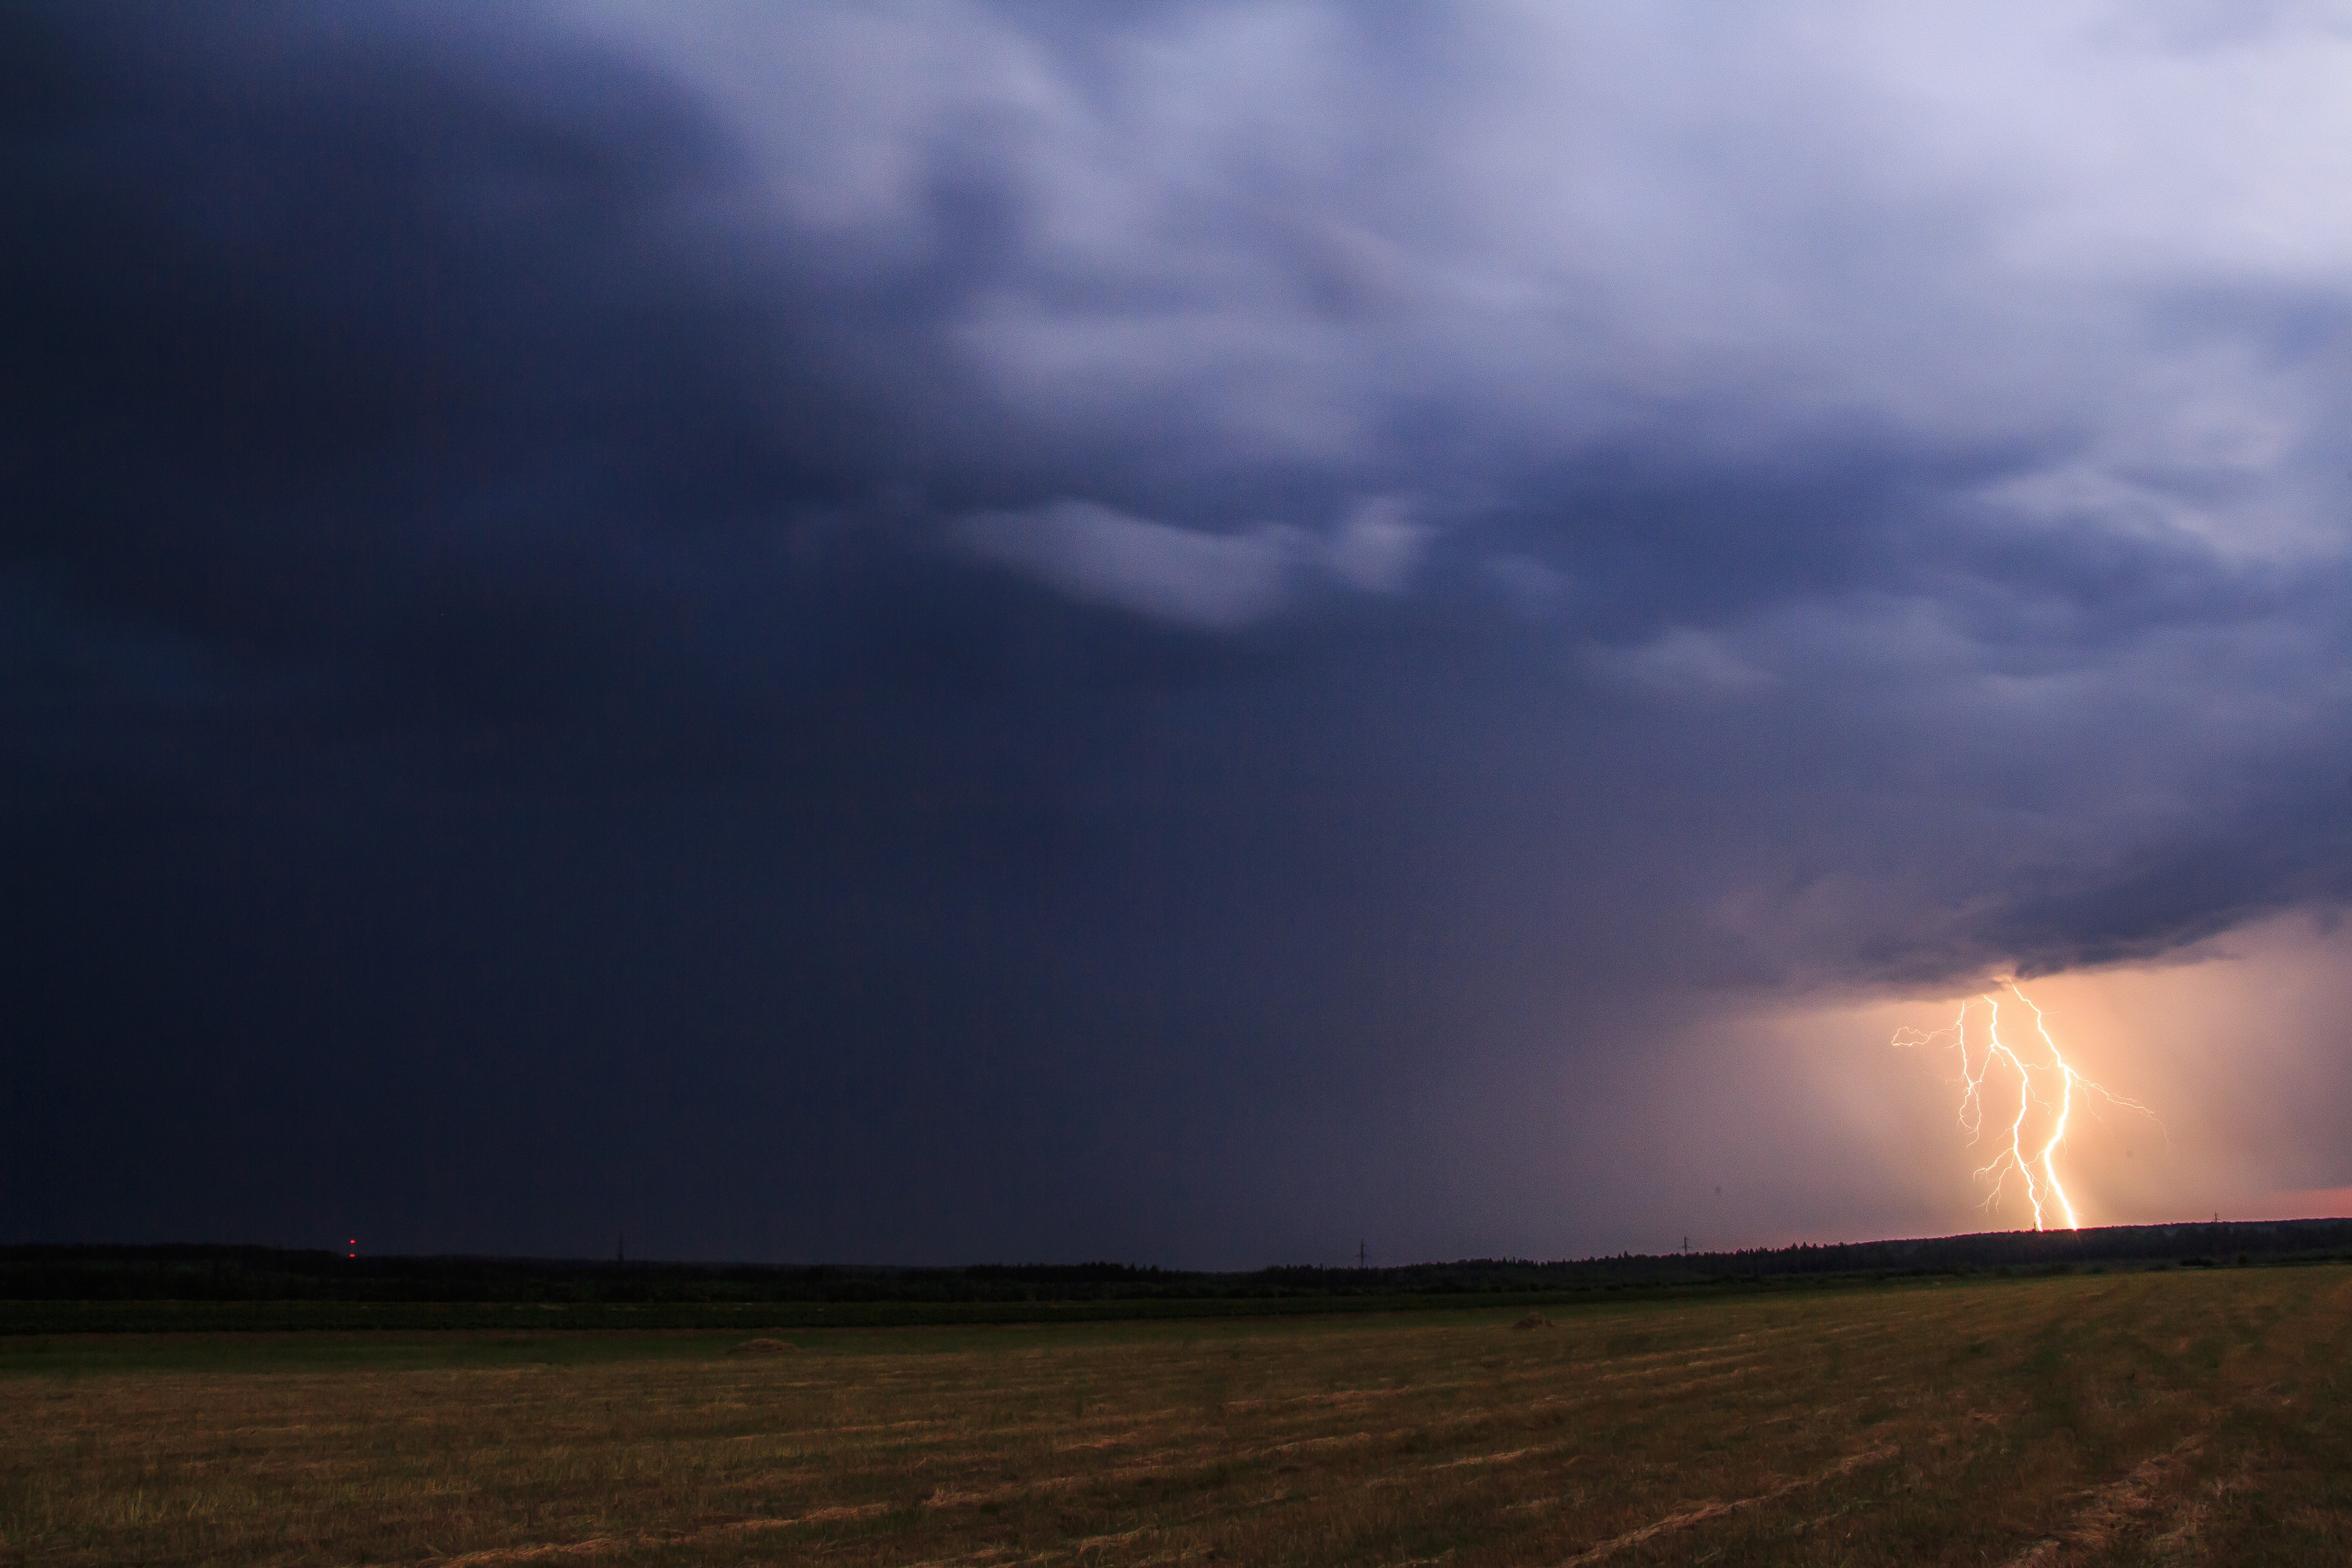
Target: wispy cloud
point(1189, 576)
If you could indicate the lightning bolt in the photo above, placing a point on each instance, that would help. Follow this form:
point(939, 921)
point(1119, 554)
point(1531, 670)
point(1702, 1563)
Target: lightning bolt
point(2043, 1079)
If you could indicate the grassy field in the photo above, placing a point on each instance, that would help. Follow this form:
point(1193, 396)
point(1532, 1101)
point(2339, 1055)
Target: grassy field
point(2183, 1416)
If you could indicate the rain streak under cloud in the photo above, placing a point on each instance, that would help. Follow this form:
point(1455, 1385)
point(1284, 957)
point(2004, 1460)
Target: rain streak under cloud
point(932, 633)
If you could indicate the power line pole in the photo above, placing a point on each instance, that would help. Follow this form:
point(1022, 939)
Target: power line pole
point(1359, 1252)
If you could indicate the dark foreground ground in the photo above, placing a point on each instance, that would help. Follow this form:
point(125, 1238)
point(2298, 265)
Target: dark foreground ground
point(2189, 1416)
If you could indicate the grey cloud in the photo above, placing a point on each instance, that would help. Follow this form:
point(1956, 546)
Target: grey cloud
point(1680, 661)
point(1377, 546)
point(1219, 581)
point(1075, 560)
point(1187, 576)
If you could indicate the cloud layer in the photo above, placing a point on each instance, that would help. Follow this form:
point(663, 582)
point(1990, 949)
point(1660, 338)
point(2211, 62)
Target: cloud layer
point(1127, 603)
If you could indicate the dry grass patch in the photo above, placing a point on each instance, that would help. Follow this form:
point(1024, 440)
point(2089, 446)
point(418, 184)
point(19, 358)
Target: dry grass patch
point(2146, 1418)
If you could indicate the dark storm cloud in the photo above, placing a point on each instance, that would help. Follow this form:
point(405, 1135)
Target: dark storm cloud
point(311, 318)
point(994, 632)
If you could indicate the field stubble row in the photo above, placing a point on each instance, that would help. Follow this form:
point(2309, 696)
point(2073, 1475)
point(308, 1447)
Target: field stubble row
point(2121, 1418)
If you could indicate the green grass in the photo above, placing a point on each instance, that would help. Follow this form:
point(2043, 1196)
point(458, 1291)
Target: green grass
point(2182, 1417)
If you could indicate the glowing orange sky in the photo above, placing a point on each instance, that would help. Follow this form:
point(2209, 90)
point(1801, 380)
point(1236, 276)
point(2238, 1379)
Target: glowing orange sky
point(1811, 1128)
point(2215, 1044)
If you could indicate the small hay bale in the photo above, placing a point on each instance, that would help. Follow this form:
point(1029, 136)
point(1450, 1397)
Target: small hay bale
point(1533, 1321)
point(762, 1347)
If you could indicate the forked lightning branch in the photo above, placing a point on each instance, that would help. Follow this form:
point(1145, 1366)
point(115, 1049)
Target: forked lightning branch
point(2043, 1081)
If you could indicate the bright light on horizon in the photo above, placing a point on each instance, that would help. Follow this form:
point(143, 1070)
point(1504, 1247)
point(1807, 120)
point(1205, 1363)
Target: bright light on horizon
point(2043, 1080)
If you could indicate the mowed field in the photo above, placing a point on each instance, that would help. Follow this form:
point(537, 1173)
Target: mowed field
point(2182, 1417)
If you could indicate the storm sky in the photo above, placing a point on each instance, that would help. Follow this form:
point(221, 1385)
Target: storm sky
point(1182, 632)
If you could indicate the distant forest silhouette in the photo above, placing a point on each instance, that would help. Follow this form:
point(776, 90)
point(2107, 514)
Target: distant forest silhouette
point(210, 1274)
